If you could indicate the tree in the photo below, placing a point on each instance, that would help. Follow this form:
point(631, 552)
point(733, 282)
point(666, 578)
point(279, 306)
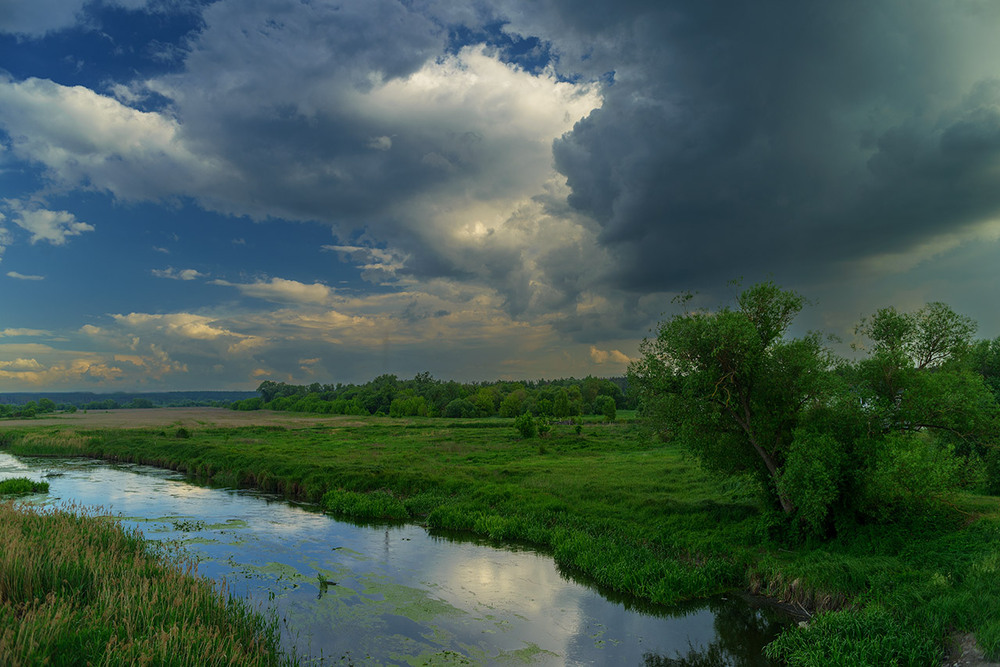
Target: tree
point(889, 434)
point(605, 405)
point(560, 406)
point(460, 407)
point(729, 386)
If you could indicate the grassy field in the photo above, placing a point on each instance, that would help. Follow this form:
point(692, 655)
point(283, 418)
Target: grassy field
point(633, 514)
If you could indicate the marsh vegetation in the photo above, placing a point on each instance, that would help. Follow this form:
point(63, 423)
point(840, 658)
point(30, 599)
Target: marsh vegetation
point(79, 590)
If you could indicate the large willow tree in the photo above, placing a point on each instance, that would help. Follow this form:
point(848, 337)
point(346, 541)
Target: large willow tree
point(731, 386)
point(899, 427)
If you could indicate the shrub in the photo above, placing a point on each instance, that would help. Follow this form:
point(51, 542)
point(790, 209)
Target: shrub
point(460, 407)
point(525, 425)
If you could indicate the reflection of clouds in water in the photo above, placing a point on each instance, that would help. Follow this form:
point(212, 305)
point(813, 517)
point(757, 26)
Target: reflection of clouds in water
point(521, 592)
point(635, 634)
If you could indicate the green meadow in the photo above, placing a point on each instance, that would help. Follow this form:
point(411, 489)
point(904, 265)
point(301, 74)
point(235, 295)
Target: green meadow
point(611, 503)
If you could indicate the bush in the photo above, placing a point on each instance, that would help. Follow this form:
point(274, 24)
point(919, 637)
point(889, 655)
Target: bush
point(460, 407)
point(605, 405)
point(525, 425)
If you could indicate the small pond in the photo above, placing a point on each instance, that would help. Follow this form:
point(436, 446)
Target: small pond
point(398, 595)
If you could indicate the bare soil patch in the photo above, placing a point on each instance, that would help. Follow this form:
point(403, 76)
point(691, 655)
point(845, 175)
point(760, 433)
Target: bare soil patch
point(186, 417)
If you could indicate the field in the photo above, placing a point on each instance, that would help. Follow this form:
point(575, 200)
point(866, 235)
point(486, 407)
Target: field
point(610, 502)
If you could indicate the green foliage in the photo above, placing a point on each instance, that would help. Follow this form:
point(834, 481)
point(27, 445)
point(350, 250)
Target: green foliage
point(731, 388)
point(378, 505)
point(560, 406)
point(984, 360)
point(827, 441)
point(605, 405)
point(21, 485)
point(388, 395)
point(526, 426)
point(906, 472)
point(812, 475)
point(460, 407)
point(409, 406)
point(870, 636)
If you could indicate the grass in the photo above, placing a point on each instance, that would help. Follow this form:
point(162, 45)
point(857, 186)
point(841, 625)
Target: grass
point(633, 515)
point(22, 485)
point(75, 589)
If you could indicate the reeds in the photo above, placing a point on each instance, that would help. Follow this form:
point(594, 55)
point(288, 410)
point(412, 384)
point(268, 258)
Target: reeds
point(75, 589)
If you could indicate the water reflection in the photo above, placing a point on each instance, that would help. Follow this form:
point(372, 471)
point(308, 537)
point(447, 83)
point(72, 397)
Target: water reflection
point(396, 594)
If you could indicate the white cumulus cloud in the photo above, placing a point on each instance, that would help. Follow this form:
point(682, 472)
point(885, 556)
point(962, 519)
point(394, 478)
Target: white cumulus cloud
point(281, 290)
point(54, 227)
point(173, 274)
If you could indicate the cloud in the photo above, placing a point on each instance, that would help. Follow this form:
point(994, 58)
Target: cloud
point(19, 365)
point(51, 226)
point(35, 365)
point(39, 17)
point(185, 325)
point(768, 138)
point(4, 236)
point(608, 356)
point(281, 290)
point(430, 150)
point(24, 332)
point(663, 146)
point(382, 143)
point(88, 140)
point(21, 276)
point(183, 274)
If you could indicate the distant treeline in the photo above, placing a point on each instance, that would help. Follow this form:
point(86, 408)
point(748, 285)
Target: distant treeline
point(427, 396)
point(26, 405)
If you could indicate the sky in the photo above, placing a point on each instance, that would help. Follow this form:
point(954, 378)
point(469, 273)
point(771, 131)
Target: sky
point(206, 195)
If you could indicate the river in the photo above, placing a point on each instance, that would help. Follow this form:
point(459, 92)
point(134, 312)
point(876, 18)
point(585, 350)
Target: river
point(398, 595)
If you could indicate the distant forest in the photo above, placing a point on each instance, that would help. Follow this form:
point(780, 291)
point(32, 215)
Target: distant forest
point(387, 395)
point(426, 396)
point(24, 404)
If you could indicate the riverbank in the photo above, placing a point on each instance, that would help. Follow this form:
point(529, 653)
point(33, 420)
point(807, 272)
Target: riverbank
point(75, 589)
point(637, 516)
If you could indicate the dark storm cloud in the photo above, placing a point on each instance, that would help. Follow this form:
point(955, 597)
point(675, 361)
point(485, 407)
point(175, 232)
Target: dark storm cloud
point(268, 85)
point(786, 137)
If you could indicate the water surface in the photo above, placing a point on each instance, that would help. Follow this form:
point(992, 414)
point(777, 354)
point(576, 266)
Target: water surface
point(397, 595)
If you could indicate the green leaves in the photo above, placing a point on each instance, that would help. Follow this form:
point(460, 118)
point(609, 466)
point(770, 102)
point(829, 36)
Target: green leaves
point(731, 386)
point(886, 434)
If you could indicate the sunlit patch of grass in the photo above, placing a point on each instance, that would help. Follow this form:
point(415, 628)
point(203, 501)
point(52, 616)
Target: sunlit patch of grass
point(77, 590)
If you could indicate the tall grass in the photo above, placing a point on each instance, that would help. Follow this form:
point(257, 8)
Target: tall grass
point(75, 589)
